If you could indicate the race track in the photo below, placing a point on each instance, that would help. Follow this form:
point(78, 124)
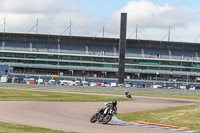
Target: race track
point(74, 116)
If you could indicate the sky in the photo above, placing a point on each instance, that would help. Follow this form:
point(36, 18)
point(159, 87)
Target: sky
point(153, 18)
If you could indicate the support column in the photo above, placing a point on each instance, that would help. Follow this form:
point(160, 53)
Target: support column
point(3, 45)
point(58, 45)
point(58, 48)
point(122, 48)
point(31, 47)
point(86, 49)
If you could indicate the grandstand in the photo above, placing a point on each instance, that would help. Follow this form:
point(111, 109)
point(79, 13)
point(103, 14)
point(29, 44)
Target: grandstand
point(98, 57)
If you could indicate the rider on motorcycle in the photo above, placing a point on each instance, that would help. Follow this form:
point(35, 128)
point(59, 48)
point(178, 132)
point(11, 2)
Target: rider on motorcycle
point(112, 105)
point(128, 94)
point(104, 115)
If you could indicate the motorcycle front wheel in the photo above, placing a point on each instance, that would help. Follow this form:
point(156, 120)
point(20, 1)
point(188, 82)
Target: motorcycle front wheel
point(106, 119)
point(93, 119)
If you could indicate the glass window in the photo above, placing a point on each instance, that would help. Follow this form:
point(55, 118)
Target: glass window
point(50, 56)
point(112, 60)
point(41, 62)
point(30, 55)
point(131, 61)
point(75, 64)
point(64, 57)
point(186, 64)
point(96, 59)
point(97, 65)
point(52, 63)
point(86, 58)
point(18, 55)
point(29, 62)
point(64, 63)
point(8, 54)
point(41, 56)
point(109, 65)
point(73, 58)
point(86, 64)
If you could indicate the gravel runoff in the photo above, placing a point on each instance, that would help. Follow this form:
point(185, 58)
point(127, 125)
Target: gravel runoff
point(103, 89)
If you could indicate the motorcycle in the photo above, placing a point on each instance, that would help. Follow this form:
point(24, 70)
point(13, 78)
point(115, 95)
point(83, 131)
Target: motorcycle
point(104, 115)
point(128, 95)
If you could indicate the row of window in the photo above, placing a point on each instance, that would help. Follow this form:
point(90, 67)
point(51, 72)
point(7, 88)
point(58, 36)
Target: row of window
point(55, 59)
point(97, 65)
point(58, 57)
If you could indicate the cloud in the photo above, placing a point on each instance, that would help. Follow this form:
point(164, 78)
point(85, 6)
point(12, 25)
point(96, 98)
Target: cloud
point(28, 6)
point(147, 14)
point(54, 15)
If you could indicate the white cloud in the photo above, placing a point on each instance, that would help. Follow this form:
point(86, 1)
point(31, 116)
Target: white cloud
point(154, 21)
point(28, 6)
point(54, 15)
point(150, 15)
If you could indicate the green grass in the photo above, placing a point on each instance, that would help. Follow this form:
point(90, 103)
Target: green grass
point(15, 128)
point(177, 96)
point(30, 95)
point(184, 116)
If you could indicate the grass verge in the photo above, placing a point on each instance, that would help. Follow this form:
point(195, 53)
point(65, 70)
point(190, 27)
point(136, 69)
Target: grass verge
point(15, 128)
point(177, 96)
point(28, 95)
point(184, 116)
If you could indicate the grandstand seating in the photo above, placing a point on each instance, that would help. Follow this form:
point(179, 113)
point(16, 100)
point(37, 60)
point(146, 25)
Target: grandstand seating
point(183, 54)
point(9, 45)
point(101, 50)
point(133, 52)
point(72, 49)
point(52, 47)
point(108, 50)
point(3, 68)
point(156, 53)
point(44, 47)
point(21, 46)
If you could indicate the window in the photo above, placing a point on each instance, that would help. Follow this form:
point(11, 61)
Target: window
point(19, 55)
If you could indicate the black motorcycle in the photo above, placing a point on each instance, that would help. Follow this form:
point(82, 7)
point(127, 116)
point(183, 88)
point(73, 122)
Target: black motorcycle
point(128, 95)
point(102, 117)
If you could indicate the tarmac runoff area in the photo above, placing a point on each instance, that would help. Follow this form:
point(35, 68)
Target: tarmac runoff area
point(75, 116)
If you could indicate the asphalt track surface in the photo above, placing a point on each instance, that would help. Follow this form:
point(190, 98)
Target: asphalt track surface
point(74, 116)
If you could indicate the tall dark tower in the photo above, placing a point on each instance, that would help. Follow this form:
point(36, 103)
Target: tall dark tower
point(122, 48)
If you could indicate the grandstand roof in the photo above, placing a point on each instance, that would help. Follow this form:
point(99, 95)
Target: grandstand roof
point(46, 38)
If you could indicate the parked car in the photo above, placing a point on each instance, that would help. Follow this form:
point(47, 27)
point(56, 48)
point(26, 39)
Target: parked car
point(113, 84)
point(63, 82)
point(85, 83)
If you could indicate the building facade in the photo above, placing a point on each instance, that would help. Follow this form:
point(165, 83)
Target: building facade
point(98, 57)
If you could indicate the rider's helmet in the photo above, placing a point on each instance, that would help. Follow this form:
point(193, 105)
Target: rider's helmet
point(114, 102)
